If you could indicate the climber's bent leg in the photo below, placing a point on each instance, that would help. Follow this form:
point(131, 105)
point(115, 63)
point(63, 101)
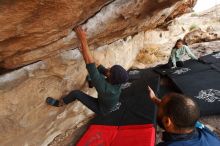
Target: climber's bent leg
point(89, 101)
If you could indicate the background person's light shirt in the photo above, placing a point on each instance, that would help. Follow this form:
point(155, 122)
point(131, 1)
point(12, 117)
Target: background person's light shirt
point(178, 54)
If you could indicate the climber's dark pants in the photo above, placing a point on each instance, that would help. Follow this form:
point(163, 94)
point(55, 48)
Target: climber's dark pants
point(170, 64)
point(179, 63)
point(89, 101)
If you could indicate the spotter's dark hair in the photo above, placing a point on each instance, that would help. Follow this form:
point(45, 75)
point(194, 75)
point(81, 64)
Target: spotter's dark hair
point(183, 111)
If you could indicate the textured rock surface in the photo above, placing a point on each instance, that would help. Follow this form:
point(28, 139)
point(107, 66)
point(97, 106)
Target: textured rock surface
point(193, 27)
point(34, 30)
point(24, 116)
point(197, 36)
point(42, 30)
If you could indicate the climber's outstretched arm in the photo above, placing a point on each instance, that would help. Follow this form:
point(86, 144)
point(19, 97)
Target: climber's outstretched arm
point(97, 79)
point(84, 45)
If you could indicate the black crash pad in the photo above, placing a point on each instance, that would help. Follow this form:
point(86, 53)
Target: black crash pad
point(203, 87)
point(216, 66)
point(163, 71)
point(134, 74)
point(211, 58)
point(190, 66)
point(136, 107)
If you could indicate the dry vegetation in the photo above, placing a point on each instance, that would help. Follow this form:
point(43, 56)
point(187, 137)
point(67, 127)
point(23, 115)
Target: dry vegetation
point(150, 55)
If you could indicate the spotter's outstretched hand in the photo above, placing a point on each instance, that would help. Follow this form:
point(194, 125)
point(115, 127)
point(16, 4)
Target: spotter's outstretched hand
point(151, 93)
point(152, 96)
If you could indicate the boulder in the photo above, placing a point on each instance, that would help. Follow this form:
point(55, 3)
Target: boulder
point(39, 46)
point(33, 30)
point(198, 35)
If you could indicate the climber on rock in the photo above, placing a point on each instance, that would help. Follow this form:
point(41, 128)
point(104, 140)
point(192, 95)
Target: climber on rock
point(108, 89)
point(177, 54)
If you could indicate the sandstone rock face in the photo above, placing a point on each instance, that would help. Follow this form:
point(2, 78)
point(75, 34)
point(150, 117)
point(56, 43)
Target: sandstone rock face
point(197, 36)
point(34, 30)
point(192, 27)
point(25, 119)
point(30, 25)
point(204, 48)
point(42, 30)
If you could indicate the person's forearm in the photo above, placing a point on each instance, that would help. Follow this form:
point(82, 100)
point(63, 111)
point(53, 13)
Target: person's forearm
point(190, 53)
point(173, 57)
point(152, 96)
point(174, 62)
point(193, 56)
point(86, 52)
point(156, 100)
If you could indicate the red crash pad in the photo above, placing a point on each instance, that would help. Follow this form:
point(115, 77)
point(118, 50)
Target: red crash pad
point(132, 135)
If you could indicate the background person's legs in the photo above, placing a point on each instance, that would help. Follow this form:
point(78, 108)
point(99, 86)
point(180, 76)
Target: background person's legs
point(168, 65)
point(179, 64)
point(89, 101)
